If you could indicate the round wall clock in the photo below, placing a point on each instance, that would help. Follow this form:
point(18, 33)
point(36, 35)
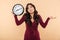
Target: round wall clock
point(18, 9)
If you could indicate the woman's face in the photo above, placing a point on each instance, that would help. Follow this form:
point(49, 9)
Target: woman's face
point(30, 9)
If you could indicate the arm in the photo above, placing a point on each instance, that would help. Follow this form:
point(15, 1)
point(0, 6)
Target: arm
point(18, 22)
point(43, 24)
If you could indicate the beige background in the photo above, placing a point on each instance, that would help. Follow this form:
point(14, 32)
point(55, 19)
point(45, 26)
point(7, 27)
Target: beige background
point(46, 8)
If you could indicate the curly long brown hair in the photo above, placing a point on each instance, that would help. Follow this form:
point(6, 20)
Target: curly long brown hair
point(28, 16)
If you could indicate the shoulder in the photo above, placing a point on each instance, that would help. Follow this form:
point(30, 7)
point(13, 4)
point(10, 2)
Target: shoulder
point(38, 15)
point(24, 15)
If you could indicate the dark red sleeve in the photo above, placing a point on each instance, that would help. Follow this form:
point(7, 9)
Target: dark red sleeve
point(43, 24)
point(18, 22)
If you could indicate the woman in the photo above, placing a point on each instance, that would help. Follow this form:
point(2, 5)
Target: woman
point(32, 19)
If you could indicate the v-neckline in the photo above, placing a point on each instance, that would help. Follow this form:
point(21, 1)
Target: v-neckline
point(33, 21)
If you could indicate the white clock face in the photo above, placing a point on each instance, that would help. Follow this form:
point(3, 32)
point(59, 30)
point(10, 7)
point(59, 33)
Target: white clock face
point(18, 9)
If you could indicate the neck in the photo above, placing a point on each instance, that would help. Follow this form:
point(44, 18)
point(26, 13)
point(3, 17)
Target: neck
point(32, 15)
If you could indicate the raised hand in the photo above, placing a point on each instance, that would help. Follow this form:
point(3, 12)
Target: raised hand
point(51, 17)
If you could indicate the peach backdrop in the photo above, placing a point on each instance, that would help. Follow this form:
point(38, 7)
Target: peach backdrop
point(46, 8)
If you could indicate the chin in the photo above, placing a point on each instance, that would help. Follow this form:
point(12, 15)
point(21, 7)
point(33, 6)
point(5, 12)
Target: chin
point(31, 12)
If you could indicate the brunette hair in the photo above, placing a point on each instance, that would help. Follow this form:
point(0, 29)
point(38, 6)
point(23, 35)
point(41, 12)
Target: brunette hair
point(28, 16)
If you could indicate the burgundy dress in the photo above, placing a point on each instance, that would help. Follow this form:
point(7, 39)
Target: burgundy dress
point(31, 33)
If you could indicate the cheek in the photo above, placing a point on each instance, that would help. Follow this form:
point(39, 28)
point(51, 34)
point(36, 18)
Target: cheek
point(31, 10)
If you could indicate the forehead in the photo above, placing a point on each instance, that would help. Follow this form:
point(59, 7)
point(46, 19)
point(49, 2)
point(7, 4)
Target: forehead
point(30, 6)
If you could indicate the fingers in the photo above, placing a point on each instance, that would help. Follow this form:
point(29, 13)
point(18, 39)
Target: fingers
point(52, 17)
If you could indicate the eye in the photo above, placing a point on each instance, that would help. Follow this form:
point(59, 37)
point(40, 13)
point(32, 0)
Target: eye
point(30, 6)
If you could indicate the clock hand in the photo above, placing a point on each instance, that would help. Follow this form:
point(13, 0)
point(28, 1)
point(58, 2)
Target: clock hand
point(18, 9)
